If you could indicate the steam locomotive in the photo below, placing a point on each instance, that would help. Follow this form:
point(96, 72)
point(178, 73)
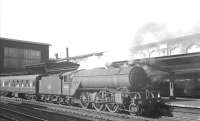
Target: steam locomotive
point(113, 89)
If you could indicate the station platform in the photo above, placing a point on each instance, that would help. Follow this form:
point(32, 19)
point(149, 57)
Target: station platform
point(183, 102)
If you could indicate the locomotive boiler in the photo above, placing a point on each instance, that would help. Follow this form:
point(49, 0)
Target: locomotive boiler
point(132, 78)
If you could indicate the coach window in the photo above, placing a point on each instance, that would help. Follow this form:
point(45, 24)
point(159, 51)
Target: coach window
point(13, 84)
point(9, 83)
point(22, 83)
point(30, 84)
point(17, 83)
point(33, 83)
point(6, 83)
point(27, 84)
point(3, 83)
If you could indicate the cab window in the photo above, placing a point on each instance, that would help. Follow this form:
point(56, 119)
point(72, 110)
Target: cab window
point(67, 78)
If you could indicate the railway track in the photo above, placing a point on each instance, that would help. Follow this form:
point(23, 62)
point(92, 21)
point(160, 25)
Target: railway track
point(12, 115)
point(37, 112)
point(75, 111)
point(186, 113)
point(83, 113)
point(187, 110)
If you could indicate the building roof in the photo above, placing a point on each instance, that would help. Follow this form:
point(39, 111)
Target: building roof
point(81, 56)
point(182, 65)
point(23, 41)
point(52, 67)
point(191, 39)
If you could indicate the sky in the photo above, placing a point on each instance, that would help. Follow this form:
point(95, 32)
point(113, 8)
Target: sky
point(87, 26)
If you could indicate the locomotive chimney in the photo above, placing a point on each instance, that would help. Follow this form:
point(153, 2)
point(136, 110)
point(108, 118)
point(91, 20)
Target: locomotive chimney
point(67, 54)
point(56, 55)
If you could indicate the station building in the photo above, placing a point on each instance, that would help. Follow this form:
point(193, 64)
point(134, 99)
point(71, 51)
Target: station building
point(16, 54)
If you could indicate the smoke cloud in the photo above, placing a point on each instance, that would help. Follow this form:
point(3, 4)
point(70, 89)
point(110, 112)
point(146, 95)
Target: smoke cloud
point(151, 32)
point(155, 32)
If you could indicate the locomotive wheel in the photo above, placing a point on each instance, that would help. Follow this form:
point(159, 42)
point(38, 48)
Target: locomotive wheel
point(99, 106)
point(46, 98)
point(67, 101)
point(60, 100)
point(135, 109)
point(84, 102)
point(112, 107)
point(33, 97)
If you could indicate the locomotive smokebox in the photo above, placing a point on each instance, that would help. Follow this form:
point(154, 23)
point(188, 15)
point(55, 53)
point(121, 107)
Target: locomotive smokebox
point(138, 78)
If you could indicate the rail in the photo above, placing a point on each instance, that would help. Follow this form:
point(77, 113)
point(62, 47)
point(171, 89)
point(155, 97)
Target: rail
point(23, 116)
point(81, 113)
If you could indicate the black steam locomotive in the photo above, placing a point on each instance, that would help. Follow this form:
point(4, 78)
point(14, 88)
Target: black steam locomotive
point(113, 89)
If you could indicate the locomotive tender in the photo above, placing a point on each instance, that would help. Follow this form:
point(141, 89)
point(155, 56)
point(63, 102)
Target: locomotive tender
point(113, 89)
